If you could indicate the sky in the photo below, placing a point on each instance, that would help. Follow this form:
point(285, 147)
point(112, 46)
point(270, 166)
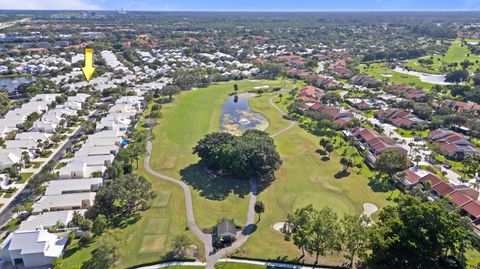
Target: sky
point(246, 5)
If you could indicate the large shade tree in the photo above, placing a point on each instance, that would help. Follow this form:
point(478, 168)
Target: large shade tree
point(252, 154)
point(417, 233)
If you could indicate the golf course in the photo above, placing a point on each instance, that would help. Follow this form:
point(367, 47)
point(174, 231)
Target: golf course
point(302, 179)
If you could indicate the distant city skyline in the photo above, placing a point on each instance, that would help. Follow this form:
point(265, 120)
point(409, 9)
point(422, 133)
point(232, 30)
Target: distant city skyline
point(246, 5)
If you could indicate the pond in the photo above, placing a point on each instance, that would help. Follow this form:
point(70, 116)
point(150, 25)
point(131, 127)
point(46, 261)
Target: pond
point(11, 83)
point(237, 117)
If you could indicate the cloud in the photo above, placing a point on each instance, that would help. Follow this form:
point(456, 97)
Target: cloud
point(48, 5)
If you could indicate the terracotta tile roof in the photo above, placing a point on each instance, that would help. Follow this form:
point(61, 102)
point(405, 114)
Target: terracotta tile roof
point(434, 180)
point(443, 188)
point(472, 208)
point(459, 198)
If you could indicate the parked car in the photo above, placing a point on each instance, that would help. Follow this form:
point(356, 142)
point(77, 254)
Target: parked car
point(447, 166)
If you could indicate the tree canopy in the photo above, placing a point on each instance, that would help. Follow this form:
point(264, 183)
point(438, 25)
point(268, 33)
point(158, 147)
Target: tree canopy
point(122, 197)
point(417, 233)
point(252, 154)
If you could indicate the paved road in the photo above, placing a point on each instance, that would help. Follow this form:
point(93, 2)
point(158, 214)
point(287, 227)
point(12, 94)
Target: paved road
point(242, 236)
point(242, 261)
point(390, 131)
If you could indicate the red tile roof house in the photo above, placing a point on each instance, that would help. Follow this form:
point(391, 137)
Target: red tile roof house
point(339, 115)
point(455, 145)
point(375, 144)
point(462, 107)
point(464, 197)
point(412, 177)
point(365, 81)
point(400, 118)
point(310, 94)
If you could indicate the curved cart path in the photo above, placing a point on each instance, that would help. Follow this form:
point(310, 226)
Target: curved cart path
point(292, 123)
point(242, 235)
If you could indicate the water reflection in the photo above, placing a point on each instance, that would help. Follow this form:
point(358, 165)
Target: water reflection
point(237, 117)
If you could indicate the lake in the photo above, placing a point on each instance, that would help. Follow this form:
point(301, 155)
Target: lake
point(11, 83)
point(239, 117)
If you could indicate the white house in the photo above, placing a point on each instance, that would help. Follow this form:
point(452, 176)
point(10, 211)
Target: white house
point(9, 157)
point(36, 136)
point(32, 248)
point(65, 186)
point(44, 126)
point(69, 201)
point(88, 150)
point(25, 145)
point(47, 220)
point(4, 181)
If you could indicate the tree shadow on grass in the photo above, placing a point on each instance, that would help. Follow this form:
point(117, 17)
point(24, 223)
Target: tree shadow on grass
point(379, 184)
point(341, 174)
point(214, 187)
point(249, 229)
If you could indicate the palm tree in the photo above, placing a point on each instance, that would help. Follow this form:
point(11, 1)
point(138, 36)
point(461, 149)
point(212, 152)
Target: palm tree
point(259, 208)
point(475, 185)
point(417, 159)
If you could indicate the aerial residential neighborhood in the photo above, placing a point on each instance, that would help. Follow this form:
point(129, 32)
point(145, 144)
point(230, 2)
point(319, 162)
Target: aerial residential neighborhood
point(224, 135)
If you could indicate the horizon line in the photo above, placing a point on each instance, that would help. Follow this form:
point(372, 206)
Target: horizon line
point(245, 11)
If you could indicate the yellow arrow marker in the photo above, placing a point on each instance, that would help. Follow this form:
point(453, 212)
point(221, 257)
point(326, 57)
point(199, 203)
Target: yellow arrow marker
point(88, 68)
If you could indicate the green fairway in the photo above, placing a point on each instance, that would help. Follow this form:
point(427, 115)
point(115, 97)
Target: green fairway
point(147, 239)
point(304, 179)
point(185, 121)
point(455, 54)
point(382, 72)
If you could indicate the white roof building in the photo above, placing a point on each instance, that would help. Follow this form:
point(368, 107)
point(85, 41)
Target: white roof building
point(32, 248)
point(65, 186)
point(48, 219)
point(88, 150)
point(28, 144)
point(36, 136)
point(9, 157)
point(70, 201)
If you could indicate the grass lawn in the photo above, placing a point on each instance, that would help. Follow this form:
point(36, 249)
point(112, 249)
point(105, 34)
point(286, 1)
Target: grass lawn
point(185, 121)
point(11, 225)
point(60, 165)
point(455, 54)
point(24, 177)
point(148, 239)
point(303, 179)
point(9, 194)
point(36, 164)
point(383, 72)
point(412, 133)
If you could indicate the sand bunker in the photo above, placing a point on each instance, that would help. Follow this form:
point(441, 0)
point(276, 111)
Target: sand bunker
point(278, 226)
point(369, 209)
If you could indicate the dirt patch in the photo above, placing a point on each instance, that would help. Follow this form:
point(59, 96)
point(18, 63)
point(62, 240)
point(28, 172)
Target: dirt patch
point(152, 243)
point(170, 163)
point(162, 199)
point(157, 226)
